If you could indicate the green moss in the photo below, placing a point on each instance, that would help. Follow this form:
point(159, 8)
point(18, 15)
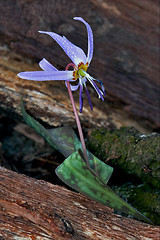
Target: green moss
point(135, 158)
point(127, 149)
point(147, 201)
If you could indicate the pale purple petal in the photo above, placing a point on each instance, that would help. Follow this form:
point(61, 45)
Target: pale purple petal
point(89, 99)
point(73, 88)
point(47, 76)
point(90, 39)
point(80, 98)
point(82, 55)
point(73, 52)
point(46, 66)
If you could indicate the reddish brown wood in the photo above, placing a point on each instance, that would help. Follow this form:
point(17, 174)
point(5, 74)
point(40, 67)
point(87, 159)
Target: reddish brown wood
point(40, 210)
point(126, 54)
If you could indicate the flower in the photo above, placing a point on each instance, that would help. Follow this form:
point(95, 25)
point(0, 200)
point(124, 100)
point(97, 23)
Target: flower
point(80, 65)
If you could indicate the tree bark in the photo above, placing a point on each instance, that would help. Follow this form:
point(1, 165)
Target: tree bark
point(35, 209)
point(126, 58)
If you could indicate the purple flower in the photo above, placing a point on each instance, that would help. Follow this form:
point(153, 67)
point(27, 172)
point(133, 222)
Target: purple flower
point(80, 65)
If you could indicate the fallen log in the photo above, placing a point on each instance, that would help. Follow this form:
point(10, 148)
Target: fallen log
point(35, 209)
point(47, 101)
point(126, 58)
point(135, 153)
point(135, 158)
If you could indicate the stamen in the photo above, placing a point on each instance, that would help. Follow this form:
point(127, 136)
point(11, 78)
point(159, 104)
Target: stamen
point(80, 98)
point(89, 99)
point(99, 92)
point(102, 86)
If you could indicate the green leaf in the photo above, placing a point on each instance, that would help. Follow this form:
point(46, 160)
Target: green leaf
point(66, 142)
point(37, 126)
point(76, 174)
point(63, 139)
point(92, 180)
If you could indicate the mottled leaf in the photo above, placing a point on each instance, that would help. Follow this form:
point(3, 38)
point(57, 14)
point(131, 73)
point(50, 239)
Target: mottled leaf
point(66, 142)
point(76, 174)
point(91, 181)
point(37, 127)
point(65, 139)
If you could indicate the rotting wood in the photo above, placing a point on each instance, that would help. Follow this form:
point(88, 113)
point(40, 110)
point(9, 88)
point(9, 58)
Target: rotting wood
point(35, 209)
point(125, 57)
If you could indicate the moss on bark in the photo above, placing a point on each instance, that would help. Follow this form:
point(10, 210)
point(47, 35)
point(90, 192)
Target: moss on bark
point(134, 153)
point(136, 159)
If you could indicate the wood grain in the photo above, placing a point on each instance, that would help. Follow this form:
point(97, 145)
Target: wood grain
point(35, 209)
point(126, 55)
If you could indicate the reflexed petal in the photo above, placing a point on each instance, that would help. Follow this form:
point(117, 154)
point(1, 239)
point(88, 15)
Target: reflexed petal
point(83, 57)
point(89, 99)
point(73, 52)
point(47, 76)
point(73, 88)
point(80, 98)
point(90, 39)
point(46, 66)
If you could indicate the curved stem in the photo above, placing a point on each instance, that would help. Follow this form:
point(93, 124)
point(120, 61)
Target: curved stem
point(77, 118)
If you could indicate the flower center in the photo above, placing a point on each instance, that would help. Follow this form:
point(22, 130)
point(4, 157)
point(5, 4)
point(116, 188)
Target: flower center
point(80, 71)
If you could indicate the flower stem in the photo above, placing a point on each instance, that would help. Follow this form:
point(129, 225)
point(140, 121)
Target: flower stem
point(77, 119)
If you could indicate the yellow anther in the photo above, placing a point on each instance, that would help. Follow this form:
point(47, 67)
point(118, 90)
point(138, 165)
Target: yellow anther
point(80, 71)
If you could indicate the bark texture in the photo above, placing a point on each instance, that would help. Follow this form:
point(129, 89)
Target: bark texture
point(126, 58)
point(135, 153)
point(135, 158)
point(31, 209)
